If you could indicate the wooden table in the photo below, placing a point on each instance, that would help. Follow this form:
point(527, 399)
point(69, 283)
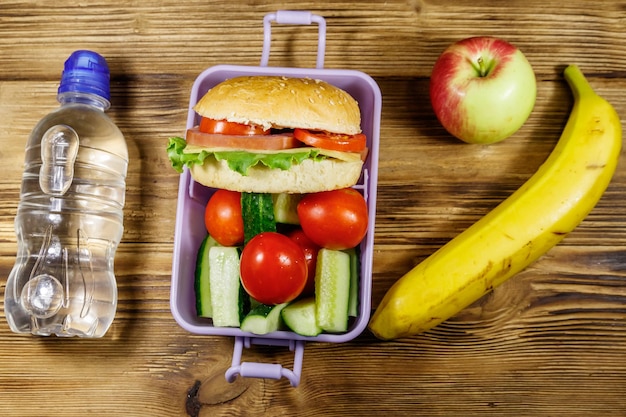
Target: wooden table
point(551, 341)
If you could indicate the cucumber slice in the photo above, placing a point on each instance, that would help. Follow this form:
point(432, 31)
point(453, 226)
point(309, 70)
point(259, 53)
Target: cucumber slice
point(353, 301)
point(257, 211)
point(228, 298)
point(286, 208)
point(201, 283)
point(332, 290)
point(300, 317)
point(263, 319)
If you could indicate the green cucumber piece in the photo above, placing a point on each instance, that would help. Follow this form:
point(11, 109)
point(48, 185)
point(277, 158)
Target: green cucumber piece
point(286, 208)
point(257, 211)
point(332, 290)
point(254, 303)
point(263, 319)
point(300, 317)
point(353, 301)
point(201, 283)
point(228, 298)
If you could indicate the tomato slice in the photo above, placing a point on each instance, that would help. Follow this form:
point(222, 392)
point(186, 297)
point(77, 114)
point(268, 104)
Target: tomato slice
point(247, 142)
point(332, 141)
point(225, 127)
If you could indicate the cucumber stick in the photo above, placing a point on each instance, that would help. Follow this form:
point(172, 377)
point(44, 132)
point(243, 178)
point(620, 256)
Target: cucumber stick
point(228, 298)
point(300, 317)
point(353, 301)
point(286, 208)
point(332, 290)
point(257, 211)
point(263, 319)
point(201, 283)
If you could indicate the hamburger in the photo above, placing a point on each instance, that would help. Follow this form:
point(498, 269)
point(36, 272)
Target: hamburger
point(273, 134)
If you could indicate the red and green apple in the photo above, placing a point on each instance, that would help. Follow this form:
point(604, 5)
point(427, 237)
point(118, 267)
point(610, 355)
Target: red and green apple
point(482, 89)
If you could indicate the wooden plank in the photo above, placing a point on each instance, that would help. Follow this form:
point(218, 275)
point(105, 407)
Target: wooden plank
point(549, 342)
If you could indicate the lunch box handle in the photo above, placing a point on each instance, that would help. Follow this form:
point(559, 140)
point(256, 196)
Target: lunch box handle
point(293, 17)
point(266, 370)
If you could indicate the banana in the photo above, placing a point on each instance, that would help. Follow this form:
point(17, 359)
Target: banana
point(518, 231)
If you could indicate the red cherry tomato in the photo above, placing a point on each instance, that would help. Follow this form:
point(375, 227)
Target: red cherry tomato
point(273, 268)
point(334, 219)
point(222, 218)
point(310, 255)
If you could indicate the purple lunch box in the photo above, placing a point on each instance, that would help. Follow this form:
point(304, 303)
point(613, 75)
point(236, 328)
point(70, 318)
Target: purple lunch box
point(192, 198)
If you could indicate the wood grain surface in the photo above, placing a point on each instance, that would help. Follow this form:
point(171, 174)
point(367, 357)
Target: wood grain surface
point(549, 342)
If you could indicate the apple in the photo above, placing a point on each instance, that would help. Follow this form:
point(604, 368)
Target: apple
point(482, 89)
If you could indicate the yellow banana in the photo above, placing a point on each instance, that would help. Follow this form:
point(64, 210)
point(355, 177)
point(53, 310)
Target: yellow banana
point(517, 232)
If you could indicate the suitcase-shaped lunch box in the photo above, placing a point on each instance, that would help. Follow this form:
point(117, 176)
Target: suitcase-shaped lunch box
point(192, 199)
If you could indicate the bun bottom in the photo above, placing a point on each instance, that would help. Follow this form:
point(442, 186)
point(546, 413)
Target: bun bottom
point(307, 177)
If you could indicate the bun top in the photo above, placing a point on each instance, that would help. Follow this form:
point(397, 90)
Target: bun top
point(282, 102)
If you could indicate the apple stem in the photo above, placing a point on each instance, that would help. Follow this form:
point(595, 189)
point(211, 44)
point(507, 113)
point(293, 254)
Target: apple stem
point(482, 68)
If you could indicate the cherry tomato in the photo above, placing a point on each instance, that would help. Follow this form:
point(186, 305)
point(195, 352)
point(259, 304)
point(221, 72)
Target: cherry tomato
point(225, 127)
point(273, 268)
point(222, 218)
point(217, 140)
point(334, 219)
point(332, 141)
point(310, 255)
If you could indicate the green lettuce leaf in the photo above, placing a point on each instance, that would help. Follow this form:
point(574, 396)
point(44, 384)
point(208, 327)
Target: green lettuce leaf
point(239, 161)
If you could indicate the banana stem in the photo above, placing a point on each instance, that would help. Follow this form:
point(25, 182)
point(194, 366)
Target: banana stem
point(577, 81)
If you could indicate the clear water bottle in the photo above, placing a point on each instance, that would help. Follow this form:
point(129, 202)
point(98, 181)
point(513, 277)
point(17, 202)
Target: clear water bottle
point(70, 215)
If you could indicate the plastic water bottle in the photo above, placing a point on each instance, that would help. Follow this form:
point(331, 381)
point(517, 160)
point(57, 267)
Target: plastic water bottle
point(70, 215)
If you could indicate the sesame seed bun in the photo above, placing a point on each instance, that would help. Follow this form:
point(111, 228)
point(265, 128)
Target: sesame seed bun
point(309, 176)
point(281, 102)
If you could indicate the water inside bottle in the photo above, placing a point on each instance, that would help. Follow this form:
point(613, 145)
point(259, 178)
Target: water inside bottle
point(63, 282)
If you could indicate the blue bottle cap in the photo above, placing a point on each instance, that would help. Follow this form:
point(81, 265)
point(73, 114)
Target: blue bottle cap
point(86, 72)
